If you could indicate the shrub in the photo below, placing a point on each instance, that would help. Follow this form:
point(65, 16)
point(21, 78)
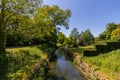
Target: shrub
point(102, 48)
point(114, 45)
point(89, 53)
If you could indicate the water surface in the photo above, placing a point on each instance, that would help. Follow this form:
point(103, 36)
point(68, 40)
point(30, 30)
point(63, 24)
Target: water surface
point(65, 69)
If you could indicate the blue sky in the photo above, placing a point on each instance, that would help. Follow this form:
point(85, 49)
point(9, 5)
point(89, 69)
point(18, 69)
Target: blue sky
point(89, 14)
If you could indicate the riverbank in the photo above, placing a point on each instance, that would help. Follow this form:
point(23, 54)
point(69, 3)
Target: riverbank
point(87, 71)
point(106, 64)
point(101, 67)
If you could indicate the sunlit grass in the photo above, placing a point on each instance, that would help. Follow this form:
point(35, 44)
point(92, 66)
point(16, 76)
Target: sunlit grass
point(22, 61)
point(31, 50)
point(81, 48)
point(108, 63)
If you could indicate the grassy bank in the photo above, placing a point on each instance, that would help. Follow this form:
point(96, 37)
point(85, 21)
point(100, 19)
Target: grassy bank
point(21, 62)
point(107, 63)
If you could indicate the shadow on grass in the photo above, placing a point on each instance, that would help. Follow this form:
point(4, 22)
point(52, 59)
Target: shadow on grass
point(11, 62)
point(3, 66)
point(44, 48)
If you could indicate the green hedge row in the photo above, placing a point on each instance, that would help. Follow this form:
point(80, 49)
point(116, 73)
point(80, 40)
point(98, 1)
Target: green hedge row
point(89, 53)
point(113, 45)
point(109, 46)
point(101, 48)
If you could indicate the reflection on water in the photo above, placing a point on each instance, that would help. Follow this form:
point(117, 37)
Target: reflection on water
point(64, 69)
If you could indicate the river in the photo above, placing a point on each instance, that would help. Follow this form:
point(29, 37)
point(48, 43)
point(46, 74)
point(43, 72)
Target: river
point(64, 69)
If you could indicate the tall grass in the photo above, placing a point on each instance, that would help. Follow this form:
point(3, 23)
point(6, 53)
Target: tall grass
point(22, 61)
point(108, 62)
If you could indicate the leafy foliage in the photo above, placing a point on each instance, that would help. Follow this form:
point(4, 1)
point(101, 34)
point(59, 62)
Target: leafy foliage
point(39, 28)
point(58, 16)
point(74, 33)
point(10, 13)
point(87, 37)
point(107, 33)
point(115, 35)
point(61, 38)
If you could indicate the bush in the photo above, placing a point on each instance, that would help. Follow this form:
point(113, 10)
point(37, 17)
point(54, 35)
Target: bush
point(108, 46)
point(102, 48)
point(89, 53)
point(114, 45)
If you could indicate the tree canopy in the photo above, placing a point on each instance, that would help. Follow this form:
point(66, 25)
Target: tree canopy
point(58, 16)
point(115, 35)
point(10, 14)
point(105, 35)
point(26, 22)
point(87, 37)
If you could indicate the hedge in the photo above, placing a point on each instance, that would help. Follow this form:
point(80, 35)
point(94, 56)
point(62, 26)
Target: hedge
point(102, 48)
point(113, 45)
point(89, 53)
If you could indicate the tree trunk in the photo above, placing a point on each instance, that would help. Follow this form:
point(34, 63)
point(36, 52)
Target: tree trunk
point(2, 42)
point(2, 29)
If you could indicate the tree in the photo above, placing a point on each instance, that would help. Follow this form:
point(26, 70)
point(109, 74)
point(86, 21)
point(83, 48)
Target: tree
point(87, 37)
point(9, 11)
point(102, 36)
point(43, 28)
point(58, 17)
point(109, 28)
point(81, 42)
point(107, 33)
point(75, 35)
point(115, 35)
point(61, 38)
point(69, 41)
point(21, 34)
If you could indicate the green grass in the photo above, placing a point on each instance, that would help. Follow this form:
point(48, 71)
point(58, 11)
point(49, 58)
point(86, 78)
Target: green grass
point(81, 48)
point(109, 63)
point(22, 61)
point(101, 43)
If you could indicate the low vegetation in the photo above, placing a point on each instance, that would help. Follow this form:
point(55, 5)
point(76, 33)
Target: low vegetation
point(21, 62)
point(107, 63)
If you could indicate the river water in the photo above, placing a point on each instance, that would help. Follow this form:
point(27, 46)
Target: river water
point(65, 69)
